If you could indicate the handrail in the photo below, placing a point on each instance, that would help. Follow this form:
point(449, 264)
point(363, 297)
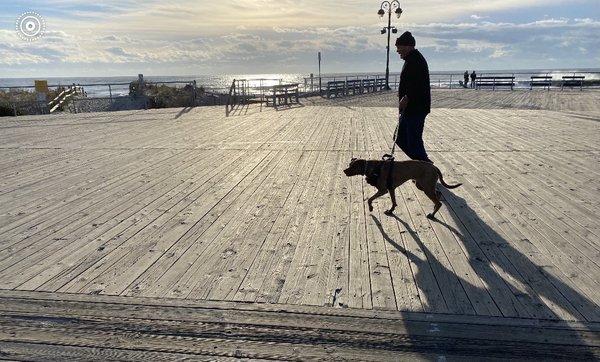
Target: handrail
point(62, 97)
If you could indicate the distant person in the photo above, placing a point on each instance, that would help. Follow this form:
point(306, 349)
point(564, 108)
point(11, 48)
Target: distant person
point(473, 77)
point(414, 95)
point(466, 76)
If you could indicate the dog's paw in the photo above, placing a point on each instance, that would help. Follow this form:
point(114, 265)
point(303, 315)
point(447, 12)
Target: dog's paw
point(389, 212)
point(430, 216)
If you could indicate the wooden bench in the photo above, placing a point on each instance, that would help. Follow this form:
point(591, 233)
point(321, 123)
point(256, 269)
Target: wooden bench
point(368, 85)
point(572, 81)
point(355, 86)
point(336, 87)
point(500, 81)
point(540, 81)
point(283, 94)
point(379, 84)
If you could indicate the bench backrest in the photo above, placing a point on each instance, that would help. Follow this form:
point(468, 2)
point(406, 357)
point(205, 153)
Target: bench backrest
point(286, 86)
point(283, 88)
point(336, 83)
point(573, 77)
point(494, 78)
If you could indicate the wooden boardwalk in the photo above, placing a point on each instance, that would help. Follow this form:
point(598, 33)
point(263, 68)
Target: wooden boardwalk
point(573, 101)
point(176, 206)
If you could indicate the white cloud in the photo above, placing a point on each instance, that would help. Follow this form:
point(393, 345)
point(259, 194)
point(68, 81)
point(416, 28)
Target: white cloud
point(255, 34)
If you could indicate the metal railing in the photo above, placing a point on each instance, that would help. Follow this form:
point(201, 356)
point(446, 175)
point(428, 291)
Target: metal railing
point(449, 80)
point(103, 96)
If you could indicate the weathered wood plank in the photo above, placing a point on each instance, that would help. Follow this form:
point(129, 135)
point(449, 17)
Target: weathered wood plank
point(158, 326)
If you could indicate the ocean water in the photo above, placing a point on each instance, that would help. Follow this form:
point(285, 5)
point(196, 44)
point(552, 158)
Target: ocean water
point(98, 86)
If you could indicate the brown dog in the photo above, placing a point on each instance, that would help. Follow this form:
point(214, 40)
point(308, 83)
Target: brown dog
point(378, 175)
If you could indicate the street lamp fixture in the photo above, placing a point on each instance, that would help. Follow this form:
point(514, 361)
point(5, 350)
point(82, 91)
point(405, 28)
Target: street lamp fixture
point(389, 7)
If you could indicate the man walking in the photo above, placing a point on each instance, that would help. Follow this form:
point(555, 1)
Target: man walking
point(414, 93)
point(466, 77)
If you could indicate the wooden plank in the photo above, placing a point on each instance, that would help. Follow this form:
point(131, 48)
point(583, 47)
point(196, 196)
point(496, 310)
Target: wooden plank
point(302, 269)
point(476, 214)
point(484, 255)
point(403, 280)
point(77, 193)
point(528, 259)
point(78, 212)
point(116, 271)
point(580, 289)
point(231, 241)
point(52, 225)
point(316, 290)
point(36, 351)
point(99, 240)
point(474, 287)
point(453, 293)
point(233, 269)
point(275, 246)
point(206, 247)
point(271, 289)
point(164, 276)
point(154, 241)
point(382, 291)
point(255, 333)
point(359, 283)
point(330, 242)
point(559, 233)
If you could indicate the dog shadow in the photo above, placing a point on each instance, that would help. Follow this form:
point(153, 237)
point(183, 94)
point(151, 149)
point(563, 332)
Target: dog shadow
point(499, 266)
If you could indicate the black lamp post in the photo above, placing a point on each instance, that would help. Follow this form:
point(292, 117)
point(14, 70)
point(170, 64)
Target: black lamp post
point(389, 7)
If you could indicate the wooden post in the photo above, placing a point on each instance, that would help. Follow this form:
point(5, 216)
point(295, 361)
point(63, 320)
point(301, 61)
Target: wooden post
point(450, 81)
point(346, 86)
point(320, 93)
point(110, 94)
point(193, 93)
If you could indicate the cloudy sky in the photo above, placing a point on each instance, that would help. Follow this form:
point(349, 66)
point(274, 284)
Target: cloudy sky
point(192, 37)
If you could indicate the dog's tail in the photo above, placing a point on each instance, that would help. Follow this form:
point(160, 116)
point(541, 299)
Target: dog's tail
point(444, 182)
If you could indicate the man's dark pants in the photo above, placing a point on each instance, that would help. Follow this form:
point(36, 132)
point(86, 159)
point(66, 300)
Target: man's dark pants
point(410, 136)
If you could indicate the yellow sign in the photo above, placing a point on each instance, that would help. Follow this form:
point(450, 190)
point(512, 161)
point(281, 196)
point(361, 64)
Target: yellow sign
point(41, 86)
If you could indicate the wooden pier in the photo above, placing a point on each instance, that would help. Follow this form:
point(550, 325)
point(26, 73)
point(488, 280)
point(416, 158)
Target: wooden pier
point(183, 233)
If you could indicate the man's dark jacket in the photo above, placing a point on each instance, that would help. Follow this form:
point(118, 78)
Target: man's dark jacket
point(414, 83)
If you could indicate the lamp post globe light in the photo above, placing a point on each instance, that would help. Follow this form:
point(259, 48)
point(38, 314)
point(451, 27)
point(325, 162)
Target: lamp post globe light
point(389, 7)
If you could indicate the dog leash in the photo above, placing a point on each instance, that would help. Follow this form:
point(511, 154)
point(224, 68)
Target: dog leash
point(390, 156)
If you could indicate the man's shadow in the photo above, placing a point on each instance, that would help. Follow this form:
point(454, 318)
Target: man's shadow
point(500, 267)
